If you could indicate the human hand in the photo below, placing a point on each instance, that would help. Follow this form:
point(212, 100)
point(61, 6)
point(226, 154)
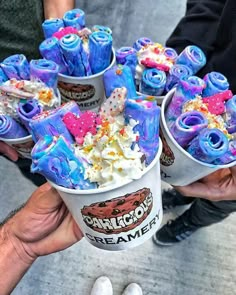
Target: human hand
point(9, 151)
point(218, 186)
point(43, 226)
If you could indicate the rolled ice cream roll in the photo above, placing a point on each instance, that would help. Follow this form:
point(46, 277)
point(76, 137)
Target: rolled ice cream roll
point(100, 51)
point(187, 126)
point(10, 128)
point(74, 18)
point(105, 29)
point(50, 50)
point(153, 82)
point(215, 83)
point(70, 106)
point(210, 145)
point(176, 73)
point(75, 56)
point(229, 156)
point(51, 26)
point(27, 110)
point(3, 76)
point(16, 66)
point(147, 116)
point(230, 115)
point(117, 77)
point(170, 54)
point(53, 158)
point(141, 42)
point(127, 56)
point(187, 89)
point(193, 57)
point(45, 71)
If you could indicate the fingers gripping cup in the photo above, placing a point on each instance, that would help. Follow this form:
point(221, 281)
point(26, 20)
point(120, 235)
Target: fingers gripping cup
point(121, 217)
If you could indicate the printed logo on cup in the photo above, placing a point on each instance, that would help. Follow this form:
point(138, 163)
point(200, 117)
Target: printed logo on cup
point(167, 157)
point(120, 214)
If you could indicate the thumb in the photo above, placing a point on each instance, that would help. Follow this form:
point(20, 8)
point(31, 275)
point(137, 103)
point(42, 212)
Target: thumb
point(9, 151)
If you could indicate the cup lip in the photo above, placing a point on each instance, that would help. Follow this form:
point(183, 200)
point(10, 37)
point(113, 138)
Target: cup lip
point(28, 137)
point(165, 102)
point(75, 78)
point(106, 189)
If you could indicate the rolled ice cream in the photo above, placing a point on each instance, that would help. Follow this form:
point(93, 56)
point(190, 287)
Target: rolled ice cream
point(153, 82)
point(215, 83)
point(127, 56)
point(10, 128)
point(176, 73)
point(51, 26)
point(74, 18)
point(27, 110)
point(16, 66)
point(142, 42)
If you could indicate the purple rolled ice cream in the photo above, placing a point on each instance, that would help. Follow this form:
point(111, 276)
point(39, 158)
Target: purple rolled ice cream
point(10, 128)
point(51, 123)
point(187, 126)
point(27, 110)
point(215, 83)
point(141, 42)
point(176, 73)
point(54, 159)
point(127, 56)
point(45, 71)
point(229, 156)
point(74, 18)
point(187, 89)
point(51, 26)
point(3, 76)
point(170, 53)
point(209, 146)
point(230, 114)
point(16, 67)
point(147, 115)
point(50, 49)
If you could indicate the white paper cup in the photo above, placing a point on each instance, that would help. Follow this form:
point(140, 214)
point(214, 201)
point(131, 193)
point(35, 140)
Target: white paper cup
point(24, 145)
point(159, 99)
point(88, 92)
point(121, 217)
point(178, 167)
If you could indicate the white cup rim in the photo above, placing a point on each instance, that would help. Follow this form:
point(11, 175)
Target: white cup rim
point(105, 189)
point(168, 96)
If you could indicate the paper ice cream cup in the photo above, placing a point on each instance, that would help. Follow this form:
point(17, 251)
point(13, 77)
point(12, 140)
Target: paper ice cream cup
point(24, 145)
point(87, 91)
point(121, 217)
point(178, 167)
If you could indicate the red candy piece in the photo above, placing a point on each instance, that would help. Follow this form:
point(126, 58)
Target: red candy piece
point(65, 31)
point(150, 63)
point(215, 103)
point(80, 126)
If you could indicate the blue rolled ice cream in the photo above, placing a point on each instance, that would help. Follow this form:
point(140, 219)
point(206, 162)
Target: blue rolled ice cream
point(16, 67)
point(127, 56)
point(74, 18)
point(50, 50)
point(153, 82)
point(105, 29)
point(209, 146)
point(142, 42)
point(230, 114)
point(117, 77)
point(75, 56)
point(27, 110)
point(193, 57)
point(176, 73)
point(45, 71)
point(51, 26)
point(215, 83)
point(187, 126)
point(3, 76)
point(100, 51)
point(54, 159)
point(10, 128)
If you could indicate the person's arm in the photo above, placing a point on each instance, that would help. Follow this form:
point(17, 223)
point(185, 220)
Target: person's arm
point(198, 26)
point(57, 8)
point(218, 186)
point(8, 151)
point(42, 226)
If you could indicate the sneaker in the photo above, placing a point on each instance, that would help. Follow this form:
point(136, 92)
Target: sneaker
point(174, 231)
point(102, 286)
point(133, 289)
point(172, 198)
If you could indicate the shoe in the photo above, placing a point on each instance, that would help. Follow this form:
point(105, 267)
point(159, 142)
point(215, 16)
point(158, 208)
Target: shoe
point(175, 231)
point(172, 198)
point(102, 286)
point(133, 289)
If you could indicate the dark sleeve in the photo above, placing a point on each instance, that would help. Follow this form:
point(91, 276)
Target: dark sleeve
point(198, 26)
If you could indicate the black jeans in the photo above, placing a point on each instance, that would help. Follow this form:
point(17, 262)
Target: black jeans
point(24, 166)
point(204, 212)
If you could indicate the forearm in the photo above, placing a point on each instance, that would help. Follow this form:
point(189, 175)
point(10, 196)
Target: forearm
point(198, 26)
point(12, 265)
point(57, 8)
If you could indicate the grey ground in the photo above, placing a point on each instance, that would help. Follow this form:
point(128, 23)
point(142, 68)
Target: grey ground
point(203, 265)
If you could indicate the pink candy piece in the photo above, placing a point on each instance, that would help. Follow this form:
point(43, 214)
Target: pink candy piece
point(150, 63)
point(215, 103)
point(80, 126)
point(65, 31)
